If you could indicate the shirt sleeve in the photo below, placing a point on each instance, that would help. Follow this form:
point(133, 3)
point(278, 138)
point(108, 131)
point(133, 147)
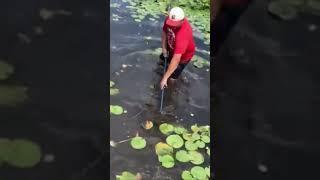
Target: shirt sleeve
point(181, 44)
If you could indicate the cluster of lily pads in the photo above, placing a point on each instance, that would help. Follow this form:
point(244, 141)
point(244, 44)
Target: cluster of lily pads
point(181, 146)
point(197, 11)
point(200, 62)
point(290, 9)
point(115, 109)
point(19, 153)
point(10, 95)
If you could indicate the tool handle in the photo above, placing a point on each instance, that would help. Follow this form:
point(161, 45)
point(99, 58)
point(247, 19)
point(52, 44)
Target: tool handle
point(162, 91)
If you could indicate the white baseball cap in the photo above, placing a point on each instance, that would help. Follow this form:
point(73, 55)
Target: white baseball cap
point(176, 15)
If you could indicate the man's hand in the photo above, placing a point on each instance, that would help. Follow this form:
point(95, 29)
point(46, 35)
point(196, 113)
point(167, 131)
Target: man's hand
point(164, 53)
point(163, 83)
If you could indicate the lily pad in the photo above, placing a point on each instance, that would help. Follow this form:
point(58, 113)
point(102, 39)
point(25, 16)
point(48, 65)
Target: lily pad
point(196, 157)
point(167, 161)
point(24, 154)
point(5, 70)
point(282, 10)
point(187, 136)
point(126, 176)
point(112, 83)
point(179, 130)
point(195, 136)
point(205, 139)
point(116, 110)
point(114, 91)
point(12, 95)
point(182, 156)
point(4, 149)
point(200, 144)
point(166, 129)
point(207, 169)
point(138, 142)
point(186, 175)
point(175, 141)
point(195, 128)
point(190, 145)
point(163, 149)
point(208, 151)
point(198, 172)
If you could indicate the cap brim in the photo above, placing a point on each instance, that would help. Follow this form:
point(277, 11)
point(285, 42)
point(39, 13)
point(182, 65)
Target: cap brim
point(170, 22)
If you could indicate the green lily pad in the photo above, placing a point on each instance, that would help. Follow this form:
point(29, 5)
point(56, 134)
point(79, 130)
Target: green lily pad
point(186, 175)
point(190, 145)
point(12, 95)
point(5, 70)
point(24, 154)
point(204, 128)
point(200, 144)
point(195, 136)
point(196, 157)
point(175, 141)
point(116, 110)
point(198, 172)
point(114, 91)
point(179, 130)
point(205, 139)
point(282, 10)
point(167, 161)
point(195, 128)
point(182, 156)
point(126, 176)
point(166, 129)
point(198, 64)
point(187, 136)
point(112, 83)
point(4, 149)
point(207, 169)
point(138, 142)
point(163, 149)
point(208, 151)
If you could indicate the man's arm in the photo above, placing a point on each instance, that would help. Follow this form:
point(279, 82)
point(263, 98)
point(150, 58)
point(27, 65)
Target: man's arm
point(164, 43)
point(172, 67)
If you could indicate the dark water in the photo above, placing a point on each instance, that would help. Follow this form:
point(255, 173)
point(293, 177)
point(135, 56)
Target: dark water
point(64, 113)
point(129, 48)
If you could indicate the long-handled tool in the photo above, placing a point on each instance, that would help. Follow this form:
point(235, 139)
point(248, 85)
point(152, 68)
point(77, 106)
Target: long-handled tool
point(162, 91)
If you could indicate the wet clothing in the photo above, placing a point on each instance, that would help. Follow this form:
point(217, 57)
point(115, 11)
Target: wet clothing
point(180, 41)
point(178, 71)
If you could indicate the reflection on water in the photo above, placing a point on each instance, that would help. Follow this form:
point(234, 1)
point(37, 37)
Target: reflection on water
point(186, 103)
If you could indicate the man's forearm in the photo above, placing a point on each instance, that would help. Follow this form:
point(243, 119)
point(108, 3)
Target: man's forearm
point(172, 66)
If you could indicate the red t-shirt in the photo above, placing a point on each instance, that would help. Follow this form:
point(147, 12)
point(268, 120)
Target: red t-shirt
point(180, 41)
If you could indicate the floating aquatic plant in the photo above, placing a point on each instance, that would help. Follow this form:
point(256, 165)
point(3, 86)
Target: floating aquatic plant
point(175, 141)
point(138, 142)
point(167, 161)
point(166, 129)
point(198, 172)
point(114, 91)
point(186, 175)
point(112, 83)
point(163, 149)
point(182, 156)
point(116, 110)
point(207, 169)
point(148, 125)
point(196, 157)
point(205, 138)
point(5, 70)
point(191, 145)
point(12, 95)
point(200, 62)
point(19, 153)
point(179, 130)
point(126, 175)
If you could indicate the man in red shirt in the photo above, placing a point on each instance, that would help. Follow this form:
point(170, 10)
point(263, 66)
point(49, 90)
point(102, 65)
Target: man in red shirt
point(177, 44)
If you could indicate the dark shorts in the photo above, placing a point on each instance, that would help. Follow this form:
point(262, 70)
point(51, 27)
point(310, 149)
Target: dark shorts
point(178, 71)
